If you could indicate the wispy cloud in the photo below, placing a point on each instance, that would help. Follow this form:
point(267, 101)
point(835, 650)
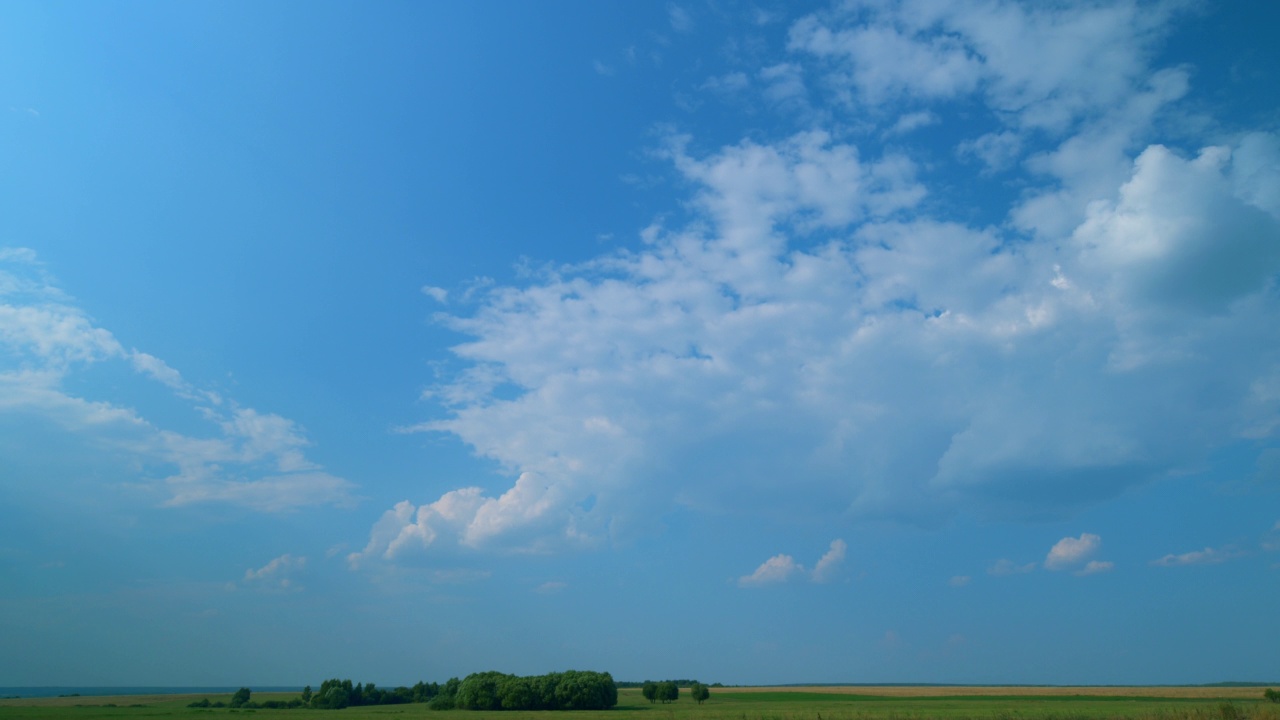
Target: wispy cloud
point(1207, 556)
point(48, 341)
point(679, 17)
point(278, 574)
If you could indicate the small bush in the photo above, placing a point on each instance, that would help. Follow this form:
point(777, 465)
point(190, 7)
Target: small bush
point(1272, 695)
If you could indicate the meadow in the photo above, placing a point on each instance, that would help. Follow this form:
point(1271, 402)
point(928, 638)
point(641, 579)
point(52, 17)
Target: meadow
point(774, 703)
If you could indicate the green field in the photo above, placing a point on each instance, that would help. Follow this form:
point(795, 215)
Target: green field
point(844, 703)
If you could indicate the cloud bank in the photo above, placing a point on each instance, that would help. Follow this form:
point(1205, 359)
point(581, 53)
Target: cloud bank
point(823, 338)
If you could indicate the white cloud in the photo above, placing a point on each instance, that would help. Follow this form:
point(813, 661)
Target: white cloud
point(959, 580)
point(680, 19)
point(909, 367)
point(1093, 567)
point(441, 295)
point(1036, 66)
point(727, 84)
point(247, 457)
point(829, 564)
point(274, 569)
point(550, 587)
point(1207, 556)
point(777, 569)
point(818, 339)
point(1069, 551)
point(1179, 235)
point(913, 121)
point(782, 568)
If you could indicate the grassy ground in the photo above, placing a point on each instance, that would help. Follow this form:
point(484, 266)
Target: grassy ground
point(807, 703)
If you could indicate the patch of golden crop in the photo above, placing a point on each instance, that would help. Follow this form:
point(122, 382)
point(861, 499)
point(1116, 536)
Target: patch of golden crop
point(925, 691)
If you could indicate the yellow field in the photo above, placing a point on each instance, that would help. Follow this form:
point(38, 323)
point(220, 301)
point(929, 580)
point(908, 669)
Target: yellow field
point(922, 691)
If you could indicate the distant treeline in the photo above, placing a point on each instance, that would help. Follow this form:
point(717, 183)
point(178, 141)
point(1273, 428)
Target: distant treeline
point(569, 690)
point(679, 683)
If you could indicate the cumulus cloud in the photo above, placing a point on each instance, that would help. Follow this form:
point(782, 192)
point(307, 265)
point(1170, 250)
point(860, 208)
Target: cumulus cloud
point(1070, 552)
point(777, 569)
point(246, 457)
point(820, 339)
point(1094, 567)
point(829, 564)
point(277, 574)
point(782, 568)
point(550, 587)
point(1085, 56)
point(1207, 556)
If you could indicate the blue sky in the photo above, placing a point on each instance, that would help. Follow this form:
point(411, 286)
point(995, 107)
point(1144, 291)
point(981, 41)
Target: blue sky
point(754, 342)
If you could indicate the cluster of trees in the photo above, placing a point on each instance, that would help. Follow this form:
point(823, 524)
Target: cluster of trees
point(570, 690)
point(1272, 695)
point(669, 691)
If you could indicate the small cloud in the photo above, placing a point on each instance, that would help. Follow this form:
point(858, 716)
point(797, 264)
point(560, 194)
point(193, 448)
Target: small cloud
point(891, 640)
point(1207, 556)
point(726, 84)
point(680, 19)
point(959, 580)
point(1096, 566)
point(776, 569)
point(602, 69)
point(829, 564)
point(912, 121)
point(550, 587)
point(998, 151)
point(1070, 551)
point(440, 295)
point(18, 254)
point(1008, 567)
point(276, 574)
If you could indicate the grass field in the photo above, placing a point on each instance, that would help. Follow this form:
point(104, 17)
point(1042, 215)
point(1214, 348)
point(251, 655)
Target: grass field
point(800, 703)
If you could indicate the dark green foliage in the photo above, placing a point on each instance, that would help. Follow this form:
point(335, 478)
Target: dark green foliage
point(202, 703)
point(1271, 695)
point(668, 691)
point(570, 690)
point(699, 692)
point(649, 690)
point(240, 698)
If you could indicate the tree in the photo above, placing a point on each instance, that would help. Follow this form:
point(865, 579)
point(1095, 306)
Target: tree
point(306, 695)
point(699, 692)
point(1272, 695)
point(240, 698)
point(649, 690)
point(668, 691)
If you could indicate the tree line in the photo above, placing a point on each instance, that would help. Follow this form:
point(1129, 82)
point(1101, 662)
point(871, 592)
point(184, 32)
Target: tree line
point(668, 691)
point(569, 690)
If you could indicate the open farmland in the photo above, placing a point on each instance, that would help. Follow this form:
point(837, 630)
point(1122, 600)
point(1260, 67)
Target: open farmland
point(757, 703)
